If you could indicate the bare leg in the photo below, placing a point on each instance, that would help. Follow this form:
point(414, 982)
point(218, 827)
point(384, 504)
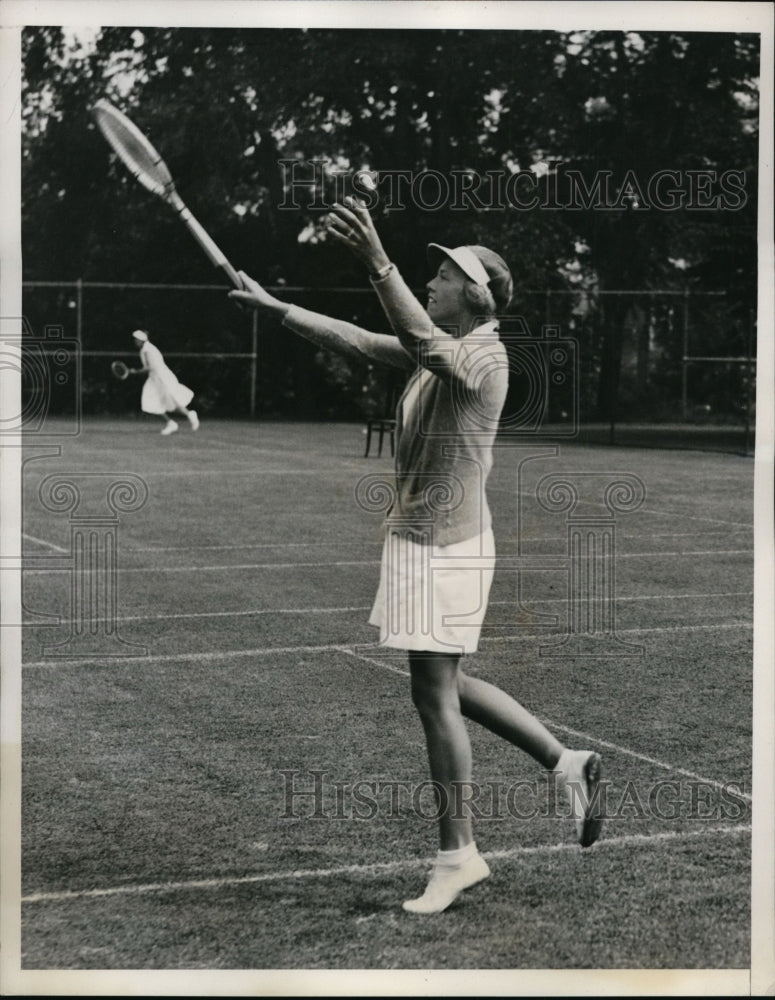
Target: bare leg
point(458, 865)
point(435, 696)
point(442, 694)
point(497, 711)
point(578, 770)
point(190, 415)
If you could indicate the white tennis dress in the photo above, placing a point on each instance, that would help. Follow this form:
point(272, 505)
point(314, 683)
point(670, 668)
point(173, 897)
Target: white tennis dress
point(162, 392)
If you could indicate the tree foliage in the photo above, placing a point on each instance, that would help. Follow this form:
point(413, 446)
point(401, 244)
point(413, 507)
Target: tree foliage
point(226, 108)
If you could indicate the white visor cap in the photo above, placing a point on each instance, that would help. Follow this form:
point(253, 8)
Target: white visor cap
point(140, 335)
point(466, 260)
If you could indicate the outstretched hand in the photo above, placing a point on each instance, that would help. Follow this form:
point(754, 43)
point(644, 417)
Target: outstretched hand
point(351, 224)
point(256, 296)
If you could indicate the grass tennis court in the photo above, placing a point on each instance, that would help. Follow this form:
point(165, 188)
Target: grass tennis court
point(159, 826)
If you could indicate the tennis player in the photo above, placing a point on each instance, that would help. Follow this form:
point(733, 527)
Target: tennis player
point(162, 393)
point(446, 420)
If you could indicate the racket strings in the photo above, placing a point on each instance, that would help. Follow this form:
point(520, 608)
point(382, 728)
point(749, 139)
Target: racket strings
point(134, 150)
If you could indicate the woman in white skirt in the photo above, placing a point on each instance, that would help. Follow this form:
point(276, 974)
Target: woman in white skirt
point(438, 556)
point(162, 393)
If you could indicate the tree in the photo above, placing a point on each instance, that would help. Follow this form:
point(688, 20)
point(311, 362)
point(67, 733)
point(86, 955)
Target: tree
point(231, 109)
point(657, 102)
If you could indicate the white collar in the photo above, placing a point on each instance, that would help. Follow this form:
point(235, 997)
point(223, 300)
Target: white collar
point(491, 326)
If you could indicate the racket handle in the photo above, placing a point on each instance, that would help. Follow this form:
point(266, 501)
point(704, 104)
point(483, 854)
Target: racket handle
point(212, 250)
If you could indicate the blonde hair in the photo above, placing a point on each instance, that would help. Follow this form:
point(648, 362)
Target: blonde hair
point(479, 299)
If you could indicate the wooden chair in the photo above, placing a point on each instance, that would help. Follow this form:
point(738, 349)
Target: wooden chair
point(384, 425)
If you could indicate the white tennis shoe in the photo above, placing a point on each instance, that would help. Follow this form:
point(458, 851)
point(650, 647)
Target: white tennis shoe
point(579, 773)
point(446, 883)
point(170, 427)
point(193, 419)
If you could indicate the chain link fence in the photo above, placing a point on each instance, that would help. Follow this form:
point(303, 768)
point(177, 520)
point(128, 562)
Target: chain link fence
point(661, 358)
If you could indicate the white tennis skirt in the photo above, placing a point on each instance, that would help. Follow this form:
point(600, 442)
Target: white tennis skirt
point(433, 597)
point(164, 394)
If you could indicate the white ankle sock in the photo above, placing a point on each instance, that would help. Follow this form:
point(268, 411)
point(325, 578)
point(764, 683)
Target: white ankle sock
point(562, 763)
point(457, 857)
point(449, 878)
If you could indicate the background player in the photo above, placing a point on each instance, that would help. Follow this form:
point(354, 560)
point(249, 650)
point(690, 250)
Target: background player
point(162, 393)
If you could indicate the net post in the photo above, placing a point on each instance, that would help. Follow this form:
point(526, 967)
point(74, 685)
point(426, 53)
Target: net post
point(79, 333)
point(613, 387)
point(684, 359)
point(749, 379)
point(253, 363)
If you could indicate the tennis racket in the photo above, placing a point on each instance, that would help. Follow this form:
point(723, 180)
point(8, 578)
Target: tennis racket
point(145, 163)
point(119, 369)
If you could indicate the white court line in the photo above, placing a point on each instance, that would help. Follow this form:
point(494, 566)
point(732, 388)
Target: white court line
point(338, 545)
point(636, 555)
point(42, 541)
point(691, 517)
point(629, 840)
point(246, 545)
point(228, 473)
point(225, 614)
point(215, 569)
point(228, 654)
point(250, 612)
point(132, 550)
point(713, 627)
point(642, 597)
point(698, 533)
point(708, 552)
point(384, 664)
point(640, 510)
point(366, 562)
point(211, 657)
point(644, 757)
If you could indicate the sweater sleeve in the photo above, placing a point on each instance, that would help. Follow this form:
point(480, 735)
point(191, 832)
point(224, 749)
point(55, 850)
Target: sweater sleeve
point(347, 338)
point(454, 359)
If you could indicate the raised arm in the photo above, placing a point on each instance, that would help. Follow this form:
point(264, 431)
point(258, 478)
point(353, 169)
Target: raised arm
point(427, 344)
point(325, 331)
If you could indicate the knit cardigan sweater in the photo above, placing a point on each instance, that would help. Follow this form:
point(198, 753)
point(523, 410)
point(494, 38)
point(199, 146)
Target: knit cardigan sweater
point(445, 441)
